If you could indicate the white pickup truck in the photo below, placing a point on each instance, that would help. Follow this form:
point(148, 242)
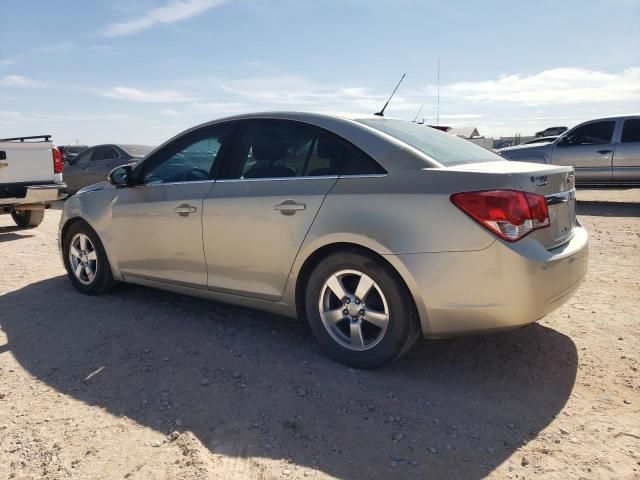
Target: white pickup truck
point(30, 178)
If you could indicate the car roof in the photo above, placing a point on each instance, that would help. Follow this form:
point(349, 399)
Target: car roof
point(614, 117)
point(298, 115)
point(122, 145)
point(370, 140)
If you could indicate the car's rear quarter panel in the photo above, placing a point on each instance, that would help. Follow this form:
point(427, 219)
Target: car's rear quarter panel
point(407, 212)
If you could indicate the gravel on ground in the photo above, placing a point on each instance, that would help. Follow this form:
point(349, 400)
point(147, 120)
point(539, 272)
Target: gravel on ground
point(143, 384)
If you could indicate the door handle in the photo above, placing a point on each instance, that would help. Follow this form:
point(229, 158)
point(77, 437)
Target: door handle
point(185, 210)
point(604, 152)
point(289, 207)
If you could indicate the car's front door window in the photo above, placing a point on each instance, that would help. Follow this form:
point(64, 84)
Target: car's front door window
point(83, 158)
point(596, 133)
point(189, 158)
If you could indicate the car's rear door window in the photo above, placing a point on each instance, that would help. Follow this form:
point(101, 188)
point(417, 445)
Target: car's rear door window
point(331, 156)
point(631, 131)
point(269, 149)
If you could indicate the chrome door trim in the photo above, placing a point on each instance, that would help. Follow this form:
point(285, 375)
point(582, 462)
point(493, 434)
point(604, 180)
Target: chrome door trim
point(177, 283)
point(320, 177)
point(268, 179)
point(173, 183)
point(279, 179)
point(365, 175)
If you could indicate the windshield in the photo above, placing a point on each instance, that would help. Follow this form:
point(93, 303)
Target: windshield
point(137, 150)
point(442, 147)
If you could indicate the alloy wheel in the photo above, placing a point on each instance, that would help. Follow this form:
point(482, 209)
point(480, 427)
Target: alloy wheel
point(83, 258)
point(354, 310)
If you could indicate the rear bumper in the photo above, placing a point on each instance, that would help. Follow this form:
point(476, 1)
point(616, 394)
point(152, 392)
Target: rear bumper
point(38, 194)
point(502, 287)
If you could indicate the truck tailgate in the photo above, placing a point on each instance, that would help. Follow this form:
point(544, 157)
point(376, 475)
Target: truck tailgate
point(26, 162)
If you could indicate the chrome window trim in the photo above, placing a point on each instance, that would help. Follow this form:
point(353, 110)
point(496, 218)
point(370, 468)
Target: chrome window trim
point(365, 175)
point(173, 183)
point(325, 177)
point(279, 179)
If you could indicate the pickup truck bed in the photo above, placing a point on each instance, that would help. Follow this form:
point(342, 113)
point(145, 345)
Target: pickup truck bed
point(30, 178)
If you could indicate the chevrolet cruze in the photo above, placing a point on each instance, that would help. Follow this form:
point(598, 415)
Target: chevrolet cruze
point(373, 229)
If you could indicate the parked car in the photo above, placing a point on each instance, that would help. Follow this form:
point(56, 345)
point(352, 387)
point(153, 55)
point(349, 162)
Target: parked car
point(551, 131)
point(70, 151)
point(30, 178)
point(606, 150)
point(93, 164)
point(374, 229)
point(540, 140)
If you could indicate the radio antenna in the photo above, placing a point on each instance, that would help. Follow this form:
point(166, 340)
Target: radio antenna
point(418, 114)
point(381, 112)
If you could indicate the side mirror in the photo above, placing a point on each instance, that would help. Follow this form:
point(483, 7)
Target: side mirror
point(121, 176)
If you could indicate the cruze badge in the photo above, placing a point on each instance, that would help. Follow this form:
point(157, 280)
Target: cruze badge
point(539, 181)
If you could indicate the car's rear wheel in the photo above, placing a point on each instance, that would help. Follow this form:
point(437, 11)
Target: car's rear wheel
point(359, 310)
point(28, 218)
point(85, 260)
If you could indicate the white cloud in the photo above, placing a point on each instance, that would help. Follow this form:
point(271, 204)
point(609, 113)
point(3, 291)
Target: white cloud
point(462, 116)
point(10, 117)
point(219, 107)
point(5, 62)
point(172, 11)
point(17, 81)
point(55, 48)
point(294, 92)
point(149, 96)
point(551, 87)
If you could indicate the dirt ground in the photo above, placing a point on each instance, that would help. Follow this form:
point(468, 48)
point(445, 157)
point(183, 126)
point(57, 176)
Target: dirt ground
point(142, 384)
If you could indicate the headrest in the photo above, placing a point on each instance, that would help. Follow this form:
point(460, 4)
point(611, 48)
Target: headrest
point(329, 148)
point(268, 147)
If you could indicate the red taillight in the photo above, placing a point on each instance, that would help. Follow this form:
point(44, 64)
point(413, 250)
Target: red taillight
point(58, 165)
point(509, 214)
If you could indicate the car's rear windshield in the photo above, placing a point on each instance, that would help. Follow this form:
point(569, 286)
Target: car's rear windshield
point(443, 147)
point(137, 150)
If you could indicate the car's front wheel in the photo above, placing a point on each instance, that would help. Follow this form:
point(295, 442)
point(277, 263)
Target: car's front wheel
point(85, 260)
point(359, 310)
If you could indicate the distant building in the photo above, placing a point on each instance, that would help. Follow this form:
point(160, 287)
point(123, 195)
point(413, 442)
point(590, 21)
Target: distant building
point(464, 132)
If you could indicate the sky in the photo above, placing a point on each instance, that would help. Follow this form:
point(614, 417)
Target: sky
point(140, 72)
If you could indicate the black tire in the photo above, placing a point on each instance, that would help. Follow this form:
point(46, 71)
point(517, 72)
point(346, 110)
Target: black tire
point(403, 327)
point(103, 280)
point(28, 218)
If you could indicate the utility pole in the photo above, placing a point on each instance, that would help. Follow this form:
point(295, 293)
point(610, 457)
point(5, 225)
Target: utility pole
point(438, 105)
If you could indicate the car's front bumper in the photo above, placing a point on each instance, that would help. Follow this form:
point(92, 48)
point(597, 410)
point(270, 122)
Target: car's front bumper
point(501, 287)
